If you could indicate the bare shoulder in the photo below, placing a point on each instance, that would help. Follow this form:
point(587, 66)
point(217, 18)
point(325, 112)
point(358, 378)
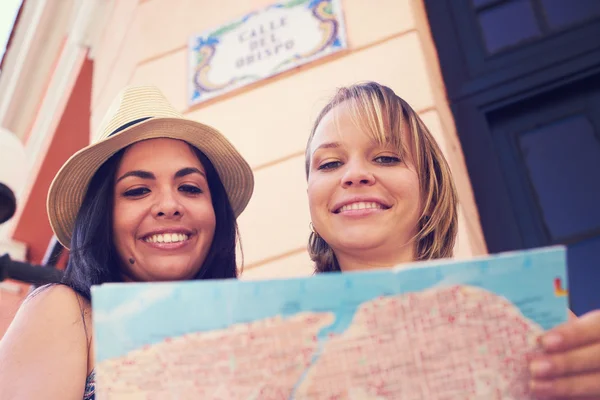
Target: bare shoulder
point(55, 307)
point(46, 343)
point(56, 295)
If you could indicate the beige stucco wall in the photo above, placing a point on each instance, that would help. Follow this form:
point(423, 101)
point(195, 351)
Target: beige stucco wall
point(144, 42)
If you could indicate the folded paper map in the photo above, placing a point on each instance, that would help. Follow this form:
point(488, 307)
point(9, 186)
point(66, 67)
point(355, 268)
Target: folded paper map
point(434, 330)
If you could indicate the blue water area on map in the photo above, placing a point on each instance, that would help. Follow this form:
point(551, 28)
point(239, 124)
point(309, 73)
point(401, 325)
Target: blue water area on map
point(129, 316)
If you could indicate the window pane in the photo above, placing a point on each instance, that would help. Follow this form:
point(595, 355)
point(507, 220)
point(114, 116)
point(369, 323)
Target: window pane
point(563, 159)
point(584, 274)
point(561, 13)
point(508, 24)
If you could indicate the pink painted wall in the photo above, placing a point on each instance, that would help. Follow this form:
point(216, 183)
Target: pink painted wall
point(33, 228)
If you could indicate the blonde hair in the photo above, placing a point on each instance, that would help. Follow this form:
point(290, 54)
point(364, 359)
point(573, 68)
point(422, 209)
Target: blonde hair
point(383, 115)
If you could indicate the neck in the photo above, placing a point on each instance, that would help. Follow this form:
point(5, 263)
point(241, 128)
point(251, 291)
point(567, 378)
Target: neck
point(366, 260)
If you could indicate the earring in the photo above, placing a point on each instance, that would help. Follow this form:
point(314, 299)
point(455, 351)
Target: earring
point(312, 228)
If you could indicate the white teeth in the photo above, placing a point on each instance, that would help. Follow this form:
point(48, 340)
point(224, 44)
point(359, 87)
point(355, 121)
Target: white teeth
point(167, 238)
point(361, 205)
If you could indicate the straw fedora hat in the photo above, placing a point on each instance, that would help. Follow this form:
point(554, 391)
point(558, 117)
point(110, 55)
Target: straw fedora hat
point(141, 113)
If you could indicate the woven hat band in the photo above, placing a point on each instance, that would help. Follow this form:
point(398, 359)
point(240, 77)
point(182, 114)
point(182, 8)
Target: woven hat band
point(127, 125)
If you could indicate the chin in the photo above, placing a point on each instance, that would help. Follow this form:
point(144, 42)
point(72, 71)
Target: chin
point(359, 235)
point(360, 242)
point(172, 273)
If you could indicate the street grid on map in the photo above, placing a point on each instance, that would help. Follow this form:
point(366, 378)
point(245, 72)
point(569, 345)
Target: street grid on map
point(442, 343)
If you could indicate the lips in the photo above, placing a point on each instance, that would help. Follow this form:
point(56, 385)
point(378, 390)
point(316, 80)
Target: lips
point(175, 235)
point(167, 238)
point(359, 204)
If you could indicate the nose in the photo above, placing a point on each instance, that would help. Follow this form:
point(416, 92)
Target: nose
point(357, 174)
point(167, 207)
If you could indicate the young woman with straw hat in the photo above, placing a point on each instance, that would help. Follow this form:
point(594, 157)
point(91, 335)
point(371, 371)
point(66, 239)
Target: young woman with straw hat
point(154, 198)
point(381, 194)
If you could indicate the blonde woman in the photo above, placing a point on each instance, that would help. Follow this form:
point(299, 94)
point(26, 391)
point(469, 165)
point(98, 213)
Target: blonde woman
point(381, 194)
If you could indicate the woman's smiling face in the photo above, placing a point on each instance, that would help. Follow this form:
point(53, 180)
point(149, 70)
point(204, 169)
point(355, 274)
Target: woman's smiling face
point(363, 196)
point(163, 219)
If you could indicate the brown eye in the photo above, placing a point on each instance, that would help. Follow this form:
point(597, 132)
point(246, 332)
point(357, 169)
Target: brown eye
point(190, 189)
point(137, 192)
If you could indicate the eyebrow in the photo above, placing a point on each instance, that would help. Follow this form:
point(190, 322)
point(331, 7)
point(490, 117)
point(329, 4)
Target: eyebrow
point(149, 175)
point(137, 173)
point(329, 145)
point(189, 170)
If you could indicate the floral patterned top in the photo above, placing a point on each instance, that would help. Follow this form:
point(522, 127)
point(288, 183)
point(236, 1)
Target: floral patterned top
point(90, 387)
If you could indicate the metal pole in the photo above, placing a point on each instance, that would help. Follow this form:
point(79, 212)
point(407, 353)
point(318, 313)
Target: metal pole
point(29, 273)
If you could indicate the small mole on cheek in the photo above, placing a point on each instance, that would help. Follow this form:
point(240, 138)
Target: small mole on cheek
point(131, 261)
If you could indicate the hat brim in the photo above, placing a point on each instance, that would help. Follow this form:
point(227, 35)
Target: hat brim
point(70, 184)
